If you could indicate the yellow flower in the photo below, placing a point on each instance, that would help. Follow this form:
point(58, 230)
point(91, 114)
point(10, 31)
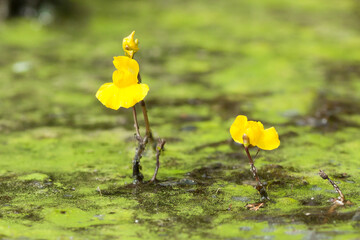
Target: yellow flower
point(130, 45)
point(124, 91)
point(266, 139)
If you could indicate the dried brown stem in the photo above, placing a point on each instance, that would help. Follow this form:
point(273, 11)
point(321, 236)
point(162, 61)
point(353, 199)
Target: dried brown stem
point(260, 187)
point(159, 149)
point(337, 189)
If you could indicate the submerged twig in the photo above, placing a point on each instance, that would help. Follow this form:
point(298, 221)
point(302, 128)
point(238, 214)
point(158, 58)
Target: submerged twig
point(259, 186)
point(341, 200)
point(159, 149)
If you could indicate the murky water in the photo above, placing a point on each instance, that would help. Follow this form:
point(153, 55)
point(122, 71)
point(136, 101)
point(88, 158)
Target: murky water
point(65, 170)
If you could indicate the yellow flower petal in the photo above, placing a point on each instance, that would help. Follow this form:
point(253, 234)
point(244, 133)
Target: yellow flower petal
point(113, 97)
point(126, 73)
point(238, 128)
point(108, 94)
point(133, 94)
point(269, 139)
point(122, 62)
point(123, 78)
point(254, 130)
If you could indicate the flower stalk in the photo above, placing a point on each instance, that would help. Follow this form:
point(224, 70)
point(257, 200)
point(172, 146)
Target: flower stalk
point(259, 186)
point(136, 124)
point(146, 120)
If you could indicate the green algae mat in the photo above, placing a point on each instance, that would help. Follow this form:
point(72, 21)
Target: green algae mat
point(65, 159)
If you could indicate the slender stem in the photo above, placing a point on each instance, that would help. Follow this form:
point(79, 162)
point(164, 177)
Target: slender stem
point(257, 153)
point(159, 148)
point(260, 187)
point(146, 117)
point(143, 106)
point(251, 162)
point(136, 124)
point(337, 189)
point(138, 177)
point(146, 120)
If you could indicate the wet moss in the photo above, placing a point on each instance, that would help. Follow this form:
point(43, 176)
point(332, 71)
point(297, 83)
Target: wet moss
point(66, 159)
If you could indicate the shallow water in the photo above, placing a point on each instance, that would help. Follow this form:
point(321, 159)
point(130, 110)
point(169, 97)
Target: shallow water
point(65, 169)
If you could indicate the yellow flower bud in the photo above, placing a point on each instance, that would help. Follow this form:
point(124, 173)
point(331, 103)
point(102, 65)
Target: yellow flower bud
point(246, 140)
point(130, 45)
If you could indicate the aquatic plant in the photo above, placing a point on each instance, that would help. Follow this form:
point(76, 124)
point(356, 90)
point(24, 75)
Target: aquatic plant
point(126, 91)
point(251, 133)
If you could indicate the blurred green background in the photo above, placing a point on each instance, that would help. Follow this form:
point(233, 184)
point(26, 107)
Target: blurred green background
point(65, 169)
